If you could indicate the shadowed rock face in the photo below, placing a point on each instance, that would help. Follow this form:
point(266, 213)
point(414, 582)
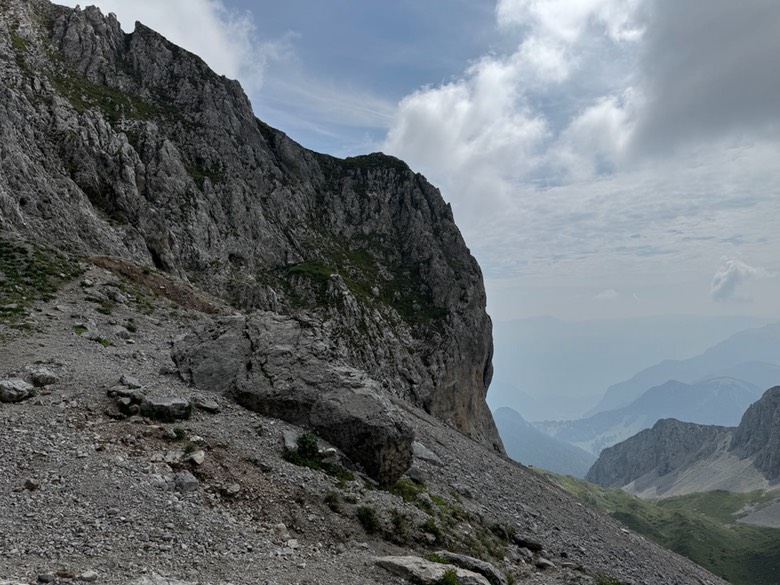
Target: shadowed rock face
point(672, 446)
point(758, 434)
point(278, 367)
point(668, 446)
point(126, 145)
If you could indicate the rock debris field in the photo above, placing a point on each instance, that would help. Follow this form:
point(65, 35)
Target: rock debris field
point(114, 470)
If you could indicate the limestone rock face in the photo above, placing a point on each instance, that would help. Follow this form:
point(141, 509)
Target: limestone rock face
point(668, 446)
point(288, 369)
point(126, 145)
point(758, 434)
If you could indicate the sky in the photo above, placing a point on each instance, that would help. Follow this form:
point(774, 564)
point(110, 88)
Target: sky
point(604, 158)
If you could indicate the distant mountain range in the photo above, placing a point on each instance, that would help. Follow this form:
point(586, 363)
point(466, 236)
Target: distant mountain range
point(752, 355)
point(712, 388)
point(528, 445)
point(677, 458)
point(719, 401)
point(548, 369)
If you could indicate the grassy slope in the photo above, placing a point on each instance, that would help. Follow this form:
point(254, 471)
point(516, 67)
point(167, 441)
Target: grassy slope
point(699, 526)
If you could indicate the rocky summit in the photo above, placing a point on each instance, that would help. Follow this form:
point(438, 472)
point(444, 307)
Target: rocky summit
point(227, 359)
point(676, 458)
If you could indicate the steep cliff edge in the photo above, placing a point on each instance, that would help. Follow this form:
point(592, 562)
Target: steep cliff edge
point(126, 145)
point(758, 434)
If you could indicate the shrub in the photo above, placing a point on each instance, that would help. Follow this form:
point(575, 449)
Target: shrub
point(430, 527)
point(333, 501)
point(308, 447)
point(368, 518)
point(450, 577)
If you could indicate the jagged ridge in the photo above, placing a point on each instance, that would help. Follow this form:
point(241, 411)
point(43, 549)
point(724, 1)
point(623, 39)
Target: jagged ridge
point(677, 457)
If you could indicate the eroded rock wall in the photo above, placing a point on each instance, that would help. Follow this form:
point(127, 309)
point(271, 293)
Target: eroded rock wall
point(126, 145)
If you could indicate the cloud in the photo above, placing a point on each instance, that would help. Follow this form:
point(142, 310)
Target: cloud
point(731, 275)
point(609, 294)
point(708, 69)
point(542, 149)
point(224, 38)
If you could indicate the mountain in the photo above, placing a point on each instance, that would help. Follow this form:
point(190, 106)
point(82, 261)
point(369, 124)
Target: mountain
point(226, 358)
point(528, 445)
point(717, 401)
point(752, 356)
point(549, 369)
point(676, 458)
point(125, 145)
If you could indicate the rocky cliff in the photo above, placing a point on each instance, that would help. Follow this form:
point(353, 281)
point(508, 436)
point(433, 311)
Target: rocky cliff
point(758, 435)
point(126, 145)
point(676, 457)
point(667, 447)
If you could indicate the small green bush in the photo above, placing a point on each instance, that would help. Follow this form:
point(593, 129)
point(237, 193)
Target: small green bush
point(333, 501)
point(450, 577)
point(307, 454)
point(406, 489)
point(606, 580)
point(368, 518)
point(435, 558)
point(430, 527)
point(308, 447)
point(179, 433)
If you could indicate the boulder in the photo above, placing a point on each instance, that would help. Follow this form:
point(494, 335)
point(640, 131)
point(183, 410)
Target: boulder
point(425, 572)
point(15, 390)
point(43, 377)
point(166, 408)
point(476, 565)
point(278, 367)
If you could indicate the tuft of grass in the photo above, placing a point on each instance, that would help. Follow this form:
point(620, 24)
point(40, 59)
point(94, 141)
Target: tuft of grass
point(368, 519)
point(450, 577)
point(406, 489)
point(179, 433)
point(101, 340)
point(606, 580)
point(430, 527)
point(333, 501)
point(435, 558)
point(79, 329)
point(307, 454)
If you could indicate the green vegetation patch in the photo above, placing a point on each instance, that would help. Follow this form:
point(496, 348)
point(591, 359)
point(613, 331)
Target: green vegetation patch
point(368, 519)
point(307, 455)
point(115, 104)
point(30, 273)
point(699, 526)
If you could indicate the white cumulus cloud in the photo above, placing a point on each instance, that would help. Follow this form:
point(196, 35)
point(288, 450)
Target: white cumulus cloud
point(731, 274)
point(609, 294)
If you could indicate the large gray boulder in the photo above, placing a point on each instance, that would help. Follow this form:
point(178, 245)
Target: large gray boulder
point(15, 390)
point(419, 570)
point(280, 367)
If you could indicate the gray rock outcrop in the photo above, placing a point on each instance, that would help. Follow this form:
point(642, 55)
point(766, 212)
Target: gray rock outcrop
point(670, 445)
point(425, 572)
point(758, 434)
point(15, 390)
point(126, 145)
point(288, 369)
